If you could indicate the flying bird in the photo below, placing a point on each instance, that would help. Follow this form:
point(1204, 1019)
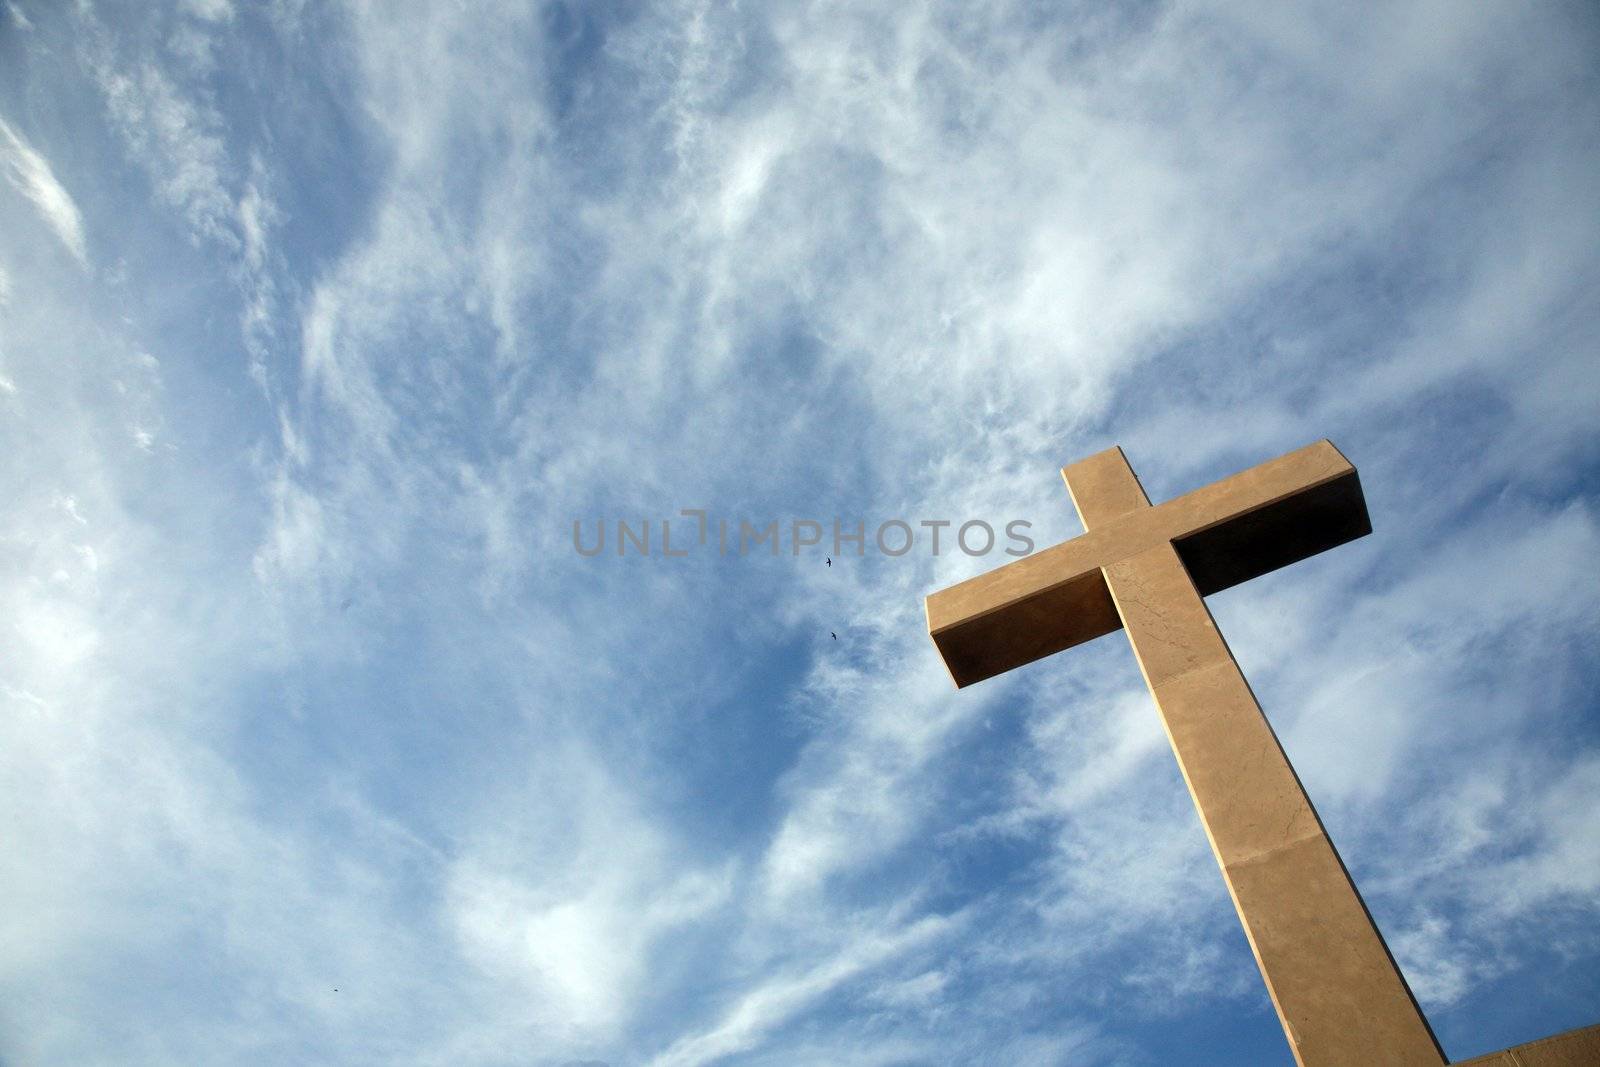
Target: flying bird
point(833, 635)
point(830, 561)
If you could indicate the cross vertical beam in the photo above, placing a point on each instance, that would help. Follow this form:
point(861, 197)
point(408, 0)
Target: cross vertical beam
point(1336, 988)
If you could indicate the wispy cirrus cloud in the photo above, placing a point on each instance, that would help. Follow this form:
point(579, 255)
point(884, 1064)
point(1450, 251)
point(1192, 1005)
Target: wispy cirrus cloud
point(30, 174)
point(157, 97)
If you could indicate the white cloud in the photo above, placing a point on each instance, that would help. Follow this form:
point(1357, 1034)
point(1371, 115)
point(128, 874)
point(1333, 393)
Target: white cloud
point(570, 902)
point(857, 795)
point(210, 10)
point(168, 121)
point(779, 998)
point(1439, 963)
point(30, 174)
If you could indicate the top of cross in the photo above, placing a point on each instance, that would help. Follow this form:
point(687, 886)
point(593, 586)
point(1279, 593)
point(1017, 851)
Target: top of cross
point(1230, 531)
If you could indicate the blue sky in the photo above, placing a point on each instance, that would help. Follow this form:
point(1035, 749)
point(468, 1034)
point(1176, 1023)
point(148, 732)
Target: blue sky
point(320, 325)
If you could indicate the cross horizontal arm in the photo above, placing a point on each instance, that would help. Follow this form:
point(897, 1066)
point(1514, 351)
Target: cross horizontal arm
point(1232, 530)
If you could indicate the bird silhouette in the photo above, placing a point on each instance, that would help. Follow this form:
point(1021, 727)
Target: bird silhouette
point(830, 561)
point(833, 635)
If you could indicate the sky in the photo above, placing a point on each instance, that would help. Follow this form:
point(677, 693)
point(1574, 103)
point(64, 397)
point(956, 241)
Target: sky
point(321, 325)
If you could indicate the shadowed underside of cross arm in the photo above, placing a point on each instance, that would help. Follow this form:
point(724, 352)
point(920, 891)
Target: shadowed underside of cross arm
point(1228, 532)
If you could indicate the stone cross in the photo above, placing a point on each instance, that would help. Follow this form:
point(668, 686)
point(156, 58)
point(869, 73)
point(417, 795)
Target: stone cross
point(1337, 991)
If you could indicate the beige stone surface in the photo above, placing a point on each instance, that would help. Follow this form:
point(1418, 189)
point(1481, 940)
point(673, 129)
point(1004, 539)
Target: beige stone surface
point(1102, 490)
point(1170, 626)
point(1575, 1048)
point(1229, 754)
